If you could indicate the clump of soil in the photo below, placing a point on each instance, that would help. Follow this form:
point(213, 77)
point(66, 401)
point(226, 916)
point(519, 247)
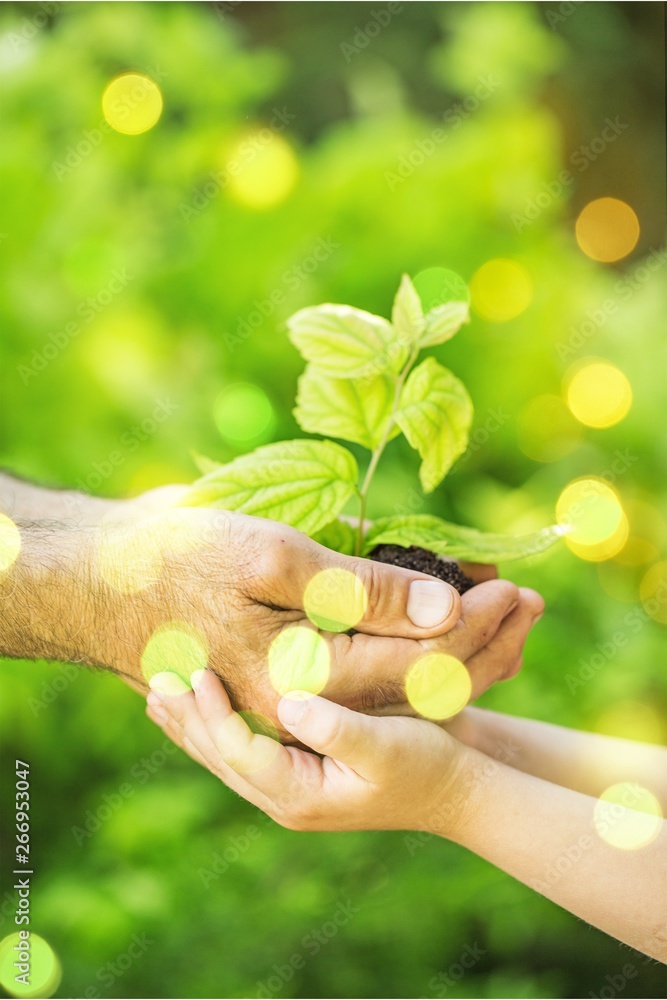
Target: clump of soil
point(424, 562)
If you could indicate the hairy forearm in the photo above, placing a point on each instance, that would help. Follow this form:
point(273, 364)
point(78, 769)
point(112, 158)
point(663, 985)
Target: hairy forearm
point(585, 762)
point(25, 501)
point(545, 836)
point(54, 606)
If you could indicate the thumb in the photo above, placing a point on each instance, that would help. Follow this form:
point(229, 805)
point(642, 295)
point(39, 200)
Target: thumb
point(340, 592)
point(330, 729)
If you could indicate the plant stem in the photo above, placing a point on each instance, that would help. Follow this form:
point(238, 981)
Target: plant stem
point(377, 453)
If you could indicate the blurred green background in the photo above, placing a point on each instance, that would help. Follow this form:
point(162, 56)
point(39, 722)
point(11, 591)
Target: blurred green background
point(165, 257)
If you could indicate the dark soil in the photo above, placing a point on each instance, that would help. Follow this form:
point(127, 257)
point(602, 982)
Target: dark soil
point(424, 562)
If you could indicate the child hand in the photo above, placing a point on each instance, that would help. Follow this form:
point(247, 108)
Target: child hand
point(376, 773)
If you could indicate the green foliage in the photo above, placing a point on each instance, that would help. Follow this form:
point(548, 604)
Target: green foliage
point(189, 322)
point(302, 483)
point(435, 414)
point(457, 542)
point(428, 403)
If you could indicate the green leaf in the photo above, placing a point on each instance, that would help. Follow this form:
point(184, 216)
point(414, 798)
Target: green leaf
point(352, 409)
point(339, 536)
point(452, 540)
point(407, 316)
point(203, 463)
point(346, 343)
point(443, 322)
point(302, 483)
point(435, 414)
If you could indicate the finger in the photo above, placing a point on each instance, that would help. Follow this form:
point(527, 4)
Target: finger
point(362, 742)
point(171, 697)
point(236, 746)
point(340, 592)
point(501, 658)
point(369, 671)
point(479, 572)
point(175, 734)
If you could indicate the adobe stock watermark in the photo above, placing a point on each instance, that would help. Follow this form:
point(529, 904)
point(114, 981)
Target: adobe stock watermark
point(53, 687)
point(223, 9)
point(441, 984)
point(30, 27)
point(91, 138)
point(573, 853)
point(562, 12)
point(85, 312)
point(580, 159)
point(453, 119)
point(236, 848)
point(614, 985)
point(633, 623)
point(311, 945)
point(246, 152)
point(129, 441)
point(140, 773)
point(291, 279)
point(625, 288)
point(365, 33)
point(113, 970)
point(450, 809)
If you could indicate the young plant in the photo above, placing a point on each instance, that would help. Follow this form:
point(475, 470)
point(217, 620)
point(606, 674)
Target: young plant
point(362, 384)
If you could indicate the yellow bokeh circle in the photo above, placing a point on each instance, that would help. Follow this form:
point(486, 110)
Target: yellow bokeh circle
point(627, 816)
point(262, 170)
point(175, 647)
point(500, 290)
point(299, 661)
point(438, 686)
point(607, 229)
point(335, 600)
point(598, 394)
point(132, 103)
point(10, 542)
point(597, 521)
point(43, 967)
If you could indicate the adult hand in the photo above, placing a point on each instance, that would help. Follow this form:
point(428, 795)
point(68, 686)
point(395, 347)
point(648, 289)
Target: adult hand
point(97, 588)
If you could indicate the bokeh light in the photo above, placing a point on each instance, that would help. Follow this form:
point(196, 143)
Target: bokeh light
point(299, 661)
point(247, 756)
point(501, 290)
point(44, 971)
point(546, 430)
point(436, 285)
point(128, 557)
point(262, 169)
point(598, 393)
point(632, 720)
point(653, 592)
point(10, 542)
point(335, 599)
point(607, 229)
point(599, 527)
point(438, 686)
point(132, 103)
point(176, 647)
point(627, 816)
point(243, 414)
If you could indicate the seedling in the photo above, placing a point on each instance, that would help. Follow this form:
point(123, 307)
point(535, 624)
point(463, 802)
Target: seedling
point(362, 383)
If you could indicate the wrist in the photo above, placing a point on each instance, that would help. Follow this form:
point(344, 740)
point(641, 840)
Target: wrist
point(455, 811)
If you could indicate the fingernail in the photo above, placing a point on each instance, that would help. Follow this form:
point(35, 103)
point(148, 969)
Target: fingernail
point(167, 684)
point(429, 603)
point(196, 679)
point(292, 708)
